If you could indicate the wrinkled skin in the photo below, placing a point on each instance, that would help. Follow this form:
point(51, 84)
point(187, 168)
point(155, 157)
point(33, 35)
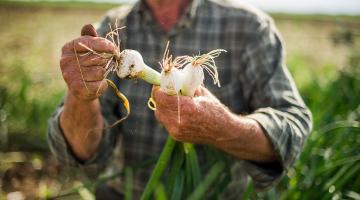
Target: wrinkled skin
point(189, 129)
point(205, 120)
point(92, 67)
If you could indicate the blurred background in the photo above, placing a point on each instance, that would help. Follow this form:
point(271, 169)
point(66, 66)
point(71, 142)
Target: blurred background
point(323, 53)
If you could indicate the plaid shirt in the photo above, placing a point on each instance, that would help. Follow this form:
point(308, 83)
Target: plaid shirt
point(255, 83)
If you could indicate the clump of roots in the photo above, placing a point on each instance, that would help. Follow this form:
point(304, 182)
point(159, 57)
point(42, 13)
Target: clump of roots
point(168, 63)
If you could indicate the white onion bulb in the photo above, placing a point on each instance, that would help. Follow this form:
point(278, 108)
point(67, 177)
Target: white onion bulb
point(171, 81)
point(132, 66)
point(193, 71)
point(193, 77)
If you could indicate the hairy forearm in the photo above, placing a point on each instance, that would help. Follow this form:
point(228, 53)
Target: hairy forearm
point(237, 135)
point(82, 124)
point(205, 120)
point(242, 137)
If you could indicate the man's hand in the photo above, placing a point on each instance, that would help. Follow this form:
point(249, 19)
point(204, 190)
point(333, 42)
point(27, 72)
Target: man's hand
point(198, 115)
point(205, 120)
point(84, 73)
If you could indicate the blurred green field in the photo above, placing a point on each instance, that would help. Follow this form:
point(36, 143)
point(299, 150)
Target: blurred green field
point(322, 54)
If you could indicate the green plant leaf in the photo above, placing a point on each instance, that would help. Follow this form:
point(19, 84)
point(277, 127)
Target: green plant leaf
point(177, 191)
point(159, 168)
point(128, 183)
point(160, 193)
point(176, 165)
point(190, 155)
point(209, 179)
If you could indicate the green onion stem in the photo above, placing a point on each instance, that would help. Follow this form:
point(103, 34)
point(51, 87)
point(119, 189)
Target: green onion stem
point(210, 178)
point(128, 183)
point(159, 168)
point(150, 75)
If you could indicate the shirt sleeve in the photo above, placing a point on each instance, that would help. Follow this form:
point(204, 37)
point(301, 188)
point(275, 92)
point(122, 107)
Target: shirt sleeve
point(275, 104)
point(62, 151)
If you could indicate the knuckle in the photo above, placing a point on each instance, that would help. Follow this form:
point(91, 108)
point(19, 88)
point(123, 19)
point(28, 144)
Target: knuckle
point(86, 40)
point(103, 62)
point(104, 44)
point(86, 62)
point(76, 43)
point(91, 60)
point(101, 72)
point(66, 75)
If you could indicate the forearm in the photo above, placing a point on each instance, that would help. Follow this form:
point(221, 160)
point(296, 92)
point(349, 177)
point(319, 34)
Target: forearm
point(205, 120)
point(242, 137)
point(82, 124)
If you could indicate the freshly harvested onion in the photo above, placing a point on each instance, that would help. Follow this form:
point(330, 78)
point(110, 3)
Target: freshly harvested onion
point(171, 81)
point(171, 78)
point(193, 78)
point(132, 66)
point(193, 72)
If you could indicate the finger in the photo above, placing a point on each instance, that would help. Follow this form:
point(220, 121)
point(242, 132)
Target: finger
point(92, 60)
point(84, 43)
point(95, 73)
point(89, 30)
point(154, 92)
point(96, 87)
point(87, 89)
point(84, 61)
point(164, 100)
point(171, 102)
point(66, 61)
point(167, 118)
point(103, 87)
point(153, 89)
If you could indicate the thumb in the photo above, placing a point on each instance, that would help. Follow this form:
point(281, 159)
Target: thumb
point(89, 30)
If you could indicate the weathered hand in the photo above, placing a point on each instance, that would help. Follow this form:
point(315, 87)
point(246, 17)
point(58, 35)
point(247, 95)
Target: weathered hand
point(199, 115)
point(89, 83)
